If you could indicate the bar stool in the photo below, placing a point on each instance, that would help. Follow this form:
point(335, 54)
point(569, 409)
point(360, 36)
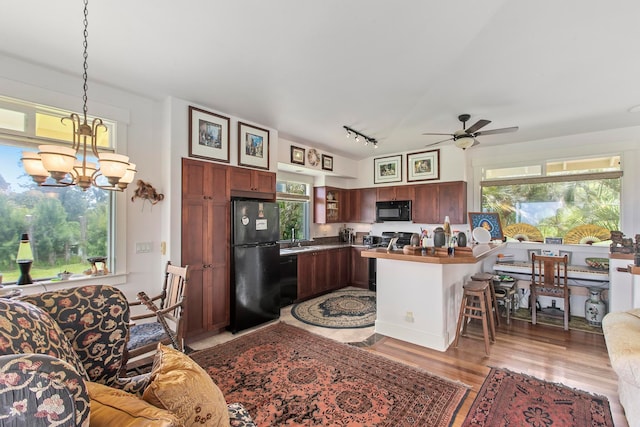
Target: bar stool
point(476, 291)
point(488, 277)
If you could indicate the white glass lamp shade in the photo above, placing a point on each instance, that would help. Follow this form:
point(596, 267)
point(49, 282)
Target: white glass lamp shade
point(33, 164)
point(57, 159)
point(129, 174)
point(464, 142)
point(113, 166)
point(89, 169)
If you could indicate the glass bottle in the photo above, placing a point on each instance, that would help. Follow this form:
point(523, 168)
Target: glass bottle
point(447, 230)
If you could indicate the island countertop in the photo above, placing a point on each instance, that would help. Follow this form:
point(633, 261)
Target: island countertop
point(469, 255)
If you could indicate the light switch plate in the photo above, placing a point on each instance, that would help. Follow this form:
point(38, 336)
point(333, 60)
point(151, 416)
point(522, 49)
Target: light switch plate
point(144, 247)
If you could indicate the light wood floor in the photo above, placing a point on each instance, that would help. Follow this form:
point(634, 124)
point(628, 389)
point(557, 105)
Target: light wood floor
point(576, 359)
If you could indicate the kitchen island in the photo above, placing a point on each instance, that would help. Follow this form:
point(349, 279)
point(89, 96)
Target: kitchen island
point(419, 294)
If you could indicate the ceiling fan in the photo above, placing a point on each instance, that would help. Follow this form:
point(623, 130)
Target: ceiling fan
point(466, 137)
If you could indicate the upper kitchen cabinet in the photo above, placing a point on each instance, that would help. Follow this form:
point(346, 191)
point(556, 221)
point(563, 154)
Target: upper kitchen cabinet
point(203, 180)
point(362, 203)
point(252, 183)
point(397, 192)
point(432, 202)
point(329, 204)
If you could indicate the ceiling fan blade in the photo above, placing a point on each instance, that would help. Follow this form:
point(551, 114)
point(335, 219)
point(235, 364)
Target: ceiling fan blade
point(497, 131)
point(477, 125)
point(450, 134)
point(439, 142)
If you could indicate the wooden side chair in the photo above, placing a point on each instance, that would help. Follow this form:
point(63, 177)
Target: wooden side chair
point(549, 278)
point(168, 327)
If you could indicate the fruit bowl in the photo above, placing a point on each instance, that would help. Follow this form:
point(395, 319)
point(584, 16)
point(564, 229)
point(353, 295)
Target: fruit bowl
point(598, 263)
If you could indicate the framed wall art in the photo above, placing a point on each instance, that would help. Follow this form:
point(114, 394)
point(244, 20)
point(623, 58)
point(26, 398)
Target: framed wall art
point(387, 169)
point(208, 135)
point(423, 165)
point(253, 146)
point(297, 155)
point(327, 162)
point(490, 221)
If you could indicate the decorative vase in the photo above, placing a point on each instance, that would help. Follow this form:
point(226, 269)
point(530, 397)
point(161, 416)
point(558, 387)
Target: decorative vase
point(594, 308)
point(462, 239)
point(439, 239)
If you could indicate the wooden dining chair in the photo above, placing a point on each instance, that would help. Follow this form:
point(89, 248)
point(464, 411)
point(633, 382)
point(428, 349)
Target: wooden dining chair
point(549, 278)
point(167, 308)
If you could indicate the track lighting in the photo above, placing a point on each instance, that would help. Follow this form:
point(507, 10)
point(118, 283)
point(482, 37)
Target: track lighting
point(367, 140)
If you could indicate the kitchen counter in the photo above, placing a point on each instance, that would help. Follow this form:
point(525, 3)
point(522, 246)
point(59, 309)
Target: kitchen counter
point(418, 296)
point(294, 250)
point(467, 255)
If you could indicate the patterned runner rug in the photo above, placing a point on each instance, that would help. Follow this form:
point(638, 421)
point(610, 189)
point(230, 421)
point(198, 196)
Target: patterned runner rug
point(339, 310)
point(508, 398)
point(287, 376)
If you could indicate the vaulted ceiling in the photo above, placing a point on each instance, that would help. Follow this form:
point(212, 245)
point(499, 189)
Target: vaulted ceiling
point(389, 69)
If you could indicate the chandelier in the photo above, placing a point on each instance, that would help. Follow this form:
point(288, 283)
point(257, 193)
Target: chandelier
point(69, 165)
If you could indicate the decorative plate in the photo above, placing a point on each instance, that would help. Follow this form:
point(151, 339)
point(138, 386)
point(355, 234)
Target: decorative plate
point(313, 157)
point(587, 234)
point(523, 232)
point(598, 263)
point(481, 235)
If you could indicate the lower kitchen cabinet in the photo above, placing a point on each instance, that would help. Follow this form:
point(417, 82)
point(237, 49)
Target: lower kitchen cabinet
point(322, 271)
point(359, 269)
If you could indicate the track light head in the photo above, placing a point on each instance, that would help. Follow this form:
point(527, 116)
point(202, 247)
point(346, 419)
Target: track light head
point(358, 135)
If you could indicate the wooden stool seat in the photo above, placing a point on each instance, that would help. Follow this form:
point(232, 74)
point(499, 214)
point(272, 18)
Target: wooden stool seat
point(476, 291)
point(488, 277)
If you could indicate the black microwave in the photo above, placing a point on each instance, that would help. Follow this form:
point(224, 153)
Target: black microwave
point(396, 210)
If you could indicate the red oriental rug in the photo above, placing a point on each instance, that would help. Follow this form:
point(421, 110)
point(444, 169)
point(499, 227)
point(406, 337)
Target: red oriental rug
point(284, 375)
point(510, 399)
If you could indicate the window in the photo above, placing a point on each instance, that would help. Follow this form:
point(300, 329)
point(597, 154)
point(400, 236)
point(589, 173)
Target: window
point(65, 224)
point(293, 201)
point(556, 196)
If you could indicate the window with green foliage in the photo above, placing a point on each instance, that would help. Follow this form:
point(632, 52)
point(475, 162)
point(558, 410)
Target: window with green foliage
point(293, 200)
point(562, 196)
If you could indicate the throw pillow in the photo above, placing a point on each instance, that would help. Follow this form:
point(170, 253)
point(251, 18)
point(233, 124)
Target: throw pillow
point(114, 407)
point(181, 386)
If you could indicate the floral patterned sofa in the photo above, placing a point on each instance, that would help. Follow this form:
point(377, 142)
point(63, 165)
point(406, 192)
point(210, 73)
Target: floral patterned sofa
point(60, 357)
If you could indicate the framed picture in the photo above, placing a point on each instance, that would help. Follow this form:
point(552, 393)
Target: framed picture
point(327, 162)
point(387, 169)
point(423, 165)
point(553, 240)
point(487, 220)
point(253, 146)
point(208, 135)
point(297, 155)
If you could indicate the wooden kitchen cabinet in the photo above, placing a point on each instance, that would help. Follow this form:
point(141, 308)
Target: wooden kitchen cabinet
point(362, 205)
point(432, 202)
point(252, 183)
point(397, 192)
point(312, 274)
point(359, 269)
point(329, 205)
point(205, 245)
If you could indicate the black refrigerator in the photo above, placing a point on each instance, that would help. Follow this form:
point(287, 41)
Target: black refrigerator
point(255, 263)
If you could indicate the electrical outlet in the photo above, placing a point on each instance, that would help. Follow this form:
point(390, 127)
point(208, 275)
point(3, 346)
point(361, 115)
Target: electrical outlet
point(409, 317)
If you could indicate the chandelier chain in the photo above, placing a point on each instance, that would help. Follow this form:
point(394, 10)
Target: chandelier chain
point(85, 55)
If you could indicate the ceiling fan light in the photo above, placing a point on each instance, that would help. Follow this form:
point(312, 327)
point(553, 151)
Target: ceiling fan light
point(464, 142)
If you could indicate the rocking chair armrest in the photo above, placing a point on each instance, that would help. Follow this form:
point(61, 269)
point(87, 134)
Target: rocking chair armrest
point(142, 316)
point(169, 309)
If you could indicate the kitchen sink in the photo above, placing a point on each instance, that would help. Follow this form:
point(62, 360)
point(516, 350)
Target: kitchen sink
point(297, 249)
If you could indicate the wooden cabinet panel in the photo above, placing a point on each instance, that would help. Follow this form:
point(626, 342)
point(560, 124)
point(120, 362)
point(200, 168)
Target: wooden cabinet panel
point(205, 245)
point(255, 183)
point(452, 201)
point(397, 192)
point(322, 271)
point(425, 204)
point(362, 205)
point(359, 269)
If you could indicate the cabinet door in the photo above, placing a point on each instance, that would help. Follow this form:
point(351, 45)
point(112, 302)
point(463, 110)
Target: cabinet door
point(359, 269)
point(332, 271)
point(425, 204)
point(240, 179)
point(452, 201)
point(343, 267)
point(386, 194)
point(306, 273)
point(264, 182)
point(367, 205)
point(194, 247)
point(217, 289)
point(204, 180)
point(404, 192)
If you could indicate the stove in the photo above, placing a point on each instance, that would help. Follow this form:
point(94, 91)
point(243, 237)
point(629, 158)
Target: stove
point(404, 238)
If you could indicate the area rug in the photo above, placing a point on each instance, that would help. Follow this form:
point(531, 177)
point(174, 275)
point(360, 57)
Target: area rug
point(286, 376)
point(510, 399)
point(576, 323)
point(339, 310)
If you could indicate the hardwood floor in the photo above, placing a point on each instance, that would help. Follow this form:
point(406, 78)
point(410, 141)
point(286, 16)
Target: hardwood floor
point(575, 359)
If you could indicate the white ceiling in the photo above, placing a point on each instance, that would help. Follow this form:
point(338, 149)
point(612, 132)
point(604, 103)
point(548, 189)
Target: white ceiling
point(389, 69)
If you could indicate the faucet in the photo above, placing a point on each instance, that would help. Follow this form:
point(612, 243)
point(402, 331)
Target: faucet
point(293, 236)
